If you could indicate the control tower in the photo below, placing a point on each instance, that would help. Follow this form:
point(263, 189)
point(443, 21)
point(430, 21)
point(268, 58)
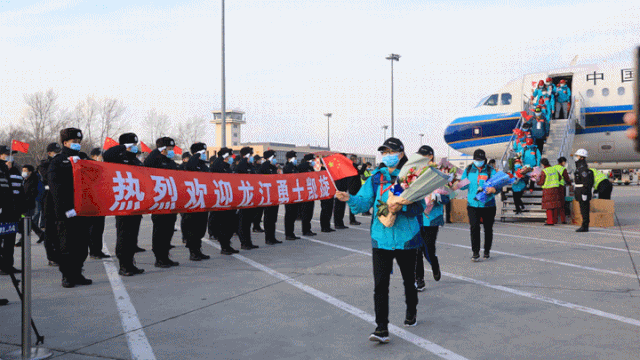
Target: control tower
point(233, 122)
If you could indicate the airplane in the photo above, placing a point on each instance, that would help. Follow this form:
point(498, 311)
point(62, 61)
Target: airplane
point(603, 93)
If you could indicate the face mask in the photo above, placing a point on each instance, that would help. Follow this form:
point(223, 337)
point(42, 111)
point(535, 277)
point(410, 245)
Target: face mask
point(274, 161)
point(230, 160)
point(563, 85)
point(312, 163)
point(576, 158)
point(478, 163)
point(544, 93)
point(294, 161)
point(134, 149)
point(171, 154)
point(391, 160)
point(548, 83)
point(538, 114)
point(25, 174)
point(251, 159)
point(75, 146)
point(203, 156)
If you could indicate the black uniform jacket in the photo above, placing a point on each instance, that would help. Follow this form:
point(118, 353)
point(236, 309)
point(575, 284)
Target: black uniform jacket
point(159, 161)
point(60, 178)
point(120, 155)
point(244, 167)
point(583, 176)
point(220, 166)
point(267, 168)
point(289, 168)
point(196, 164)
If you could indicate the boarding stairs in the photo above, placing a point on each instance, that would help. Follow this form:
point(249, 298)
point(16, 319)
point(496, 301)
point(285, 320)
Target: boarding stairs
point(559, 143)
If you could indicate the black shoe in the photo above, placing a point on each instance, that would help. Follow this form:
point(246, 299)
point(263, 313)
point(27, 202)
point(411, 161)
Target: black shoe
point(246, 247)
point(19, 243)
point(40, 239)
point(171, 246)
point(258, 230)
point(229, 251)
point(139, 249)
point(341, 227)
point(486, 255)
point(67, 283)
point(198, 256)
point(130, 270)
point(292, 237)
point(310, 233)
point(328, 230)
point(582, 229)
point(381, 336)
point(3, 302)
point(53, 263)
point(475, 257)
point(545, 224)
point(11, 270)
point(435, 267)
point(276, 241)
point(410, 319)
point(270, 243)
point(254, 246)
point(356, 223)
point(420, 285)
point(162, 264)
point(81, 280)
point(100, 256)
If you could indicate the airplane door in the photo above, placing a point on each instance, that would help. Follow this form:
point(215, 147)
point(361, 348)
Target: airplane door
point(529, 83)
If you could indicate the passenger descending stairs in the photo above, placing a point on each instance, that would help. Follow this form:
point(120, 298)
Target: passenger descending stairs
point(559, 143)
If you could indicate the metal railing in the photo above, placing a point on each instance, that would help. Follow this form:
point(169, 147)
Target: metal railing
point(508, 151)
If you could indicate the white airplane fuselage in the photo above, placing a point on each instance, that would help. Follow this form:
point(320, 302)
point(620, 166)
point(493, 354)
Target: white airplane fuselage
point(604, 93)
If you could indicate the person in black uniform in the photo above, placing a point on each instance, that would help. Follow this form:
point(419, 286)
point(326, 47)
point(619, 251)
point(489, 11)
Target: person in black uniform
point(96, 223)
point(163, 224)
point(72, 229)
point(51, 241)
point(224, 221)
point(6, 210)
point(194, 225)
point(185, 159)
point(15, 201)
point(583, 185)
point(212, 228)
point(127, 226)
point(306, 208)
point(326, 211)
point(354, 186)
point(32, 187)
point(245, 216)
point(257, 162)
point(339, 207)
point(290, 210)
point(268, 167)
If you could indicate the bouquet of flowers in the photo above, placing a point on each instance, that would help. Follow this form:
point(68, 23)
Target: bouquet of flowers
point(497, 181)
point(448, 168)
point(429, 201)
point(415, 181)
point(535, 173)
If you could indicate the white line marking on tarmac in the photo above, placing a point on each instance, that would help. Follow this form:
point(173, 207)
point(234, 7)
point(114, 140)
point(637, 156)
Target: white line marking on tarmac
point(613, 232)
point(529, 295)
point(136, 338)
point(399, 332)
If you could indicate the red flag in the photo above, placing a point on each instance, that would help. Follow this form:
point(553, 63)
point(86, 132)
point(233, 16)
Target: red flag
point(144, 148)
point(177, 150)
point(109, 143)
point(340, 167)
point(20, 146)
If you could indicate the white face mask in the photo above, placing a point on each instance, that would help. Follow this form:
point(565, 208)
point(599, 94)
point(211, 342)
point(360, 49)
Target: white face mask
point(25, 174)
point(576, 158)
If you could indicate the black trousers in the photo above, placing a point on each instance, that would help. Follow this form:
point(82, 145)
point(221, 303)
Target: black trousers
point(127, 229)
point(214, 225)
point(447, 208)
point(326, 210)
point(245, 220)
point(488, 216)
point(290, 215)
point(604, 189)
point(74, 246)
point(7, 246)
point(540, 144)
point(517, 199)
point(339, 208)
point(270, 219)
point(51, 240)
point(585, 208)
point(307, 215)
point(96, 230)
point(162, 233)
point(194, 229)
point(226, 223)
point(429, 235)
point(382, 265)
point(258, 218)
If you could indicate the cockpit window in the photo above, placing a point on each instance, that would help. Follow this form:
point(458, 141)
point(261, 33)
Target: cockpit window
point(492, 100)
point(505, 99)
point(481, 102)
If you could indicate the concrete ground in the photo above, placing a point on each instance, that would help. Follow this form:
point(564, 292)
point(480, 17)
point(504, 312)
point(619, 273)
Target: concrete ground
point(546, 293)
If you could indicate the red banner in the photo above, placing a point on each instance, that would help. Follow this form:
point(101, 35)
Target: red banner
point(103, 189)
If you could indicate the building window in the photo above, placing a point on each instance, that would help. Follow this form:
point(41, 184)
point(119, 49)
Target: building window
point(590, 93)
point(235, 143)
point(605, 92)
point(235, 126)
point(620, 91)
point(235, 135)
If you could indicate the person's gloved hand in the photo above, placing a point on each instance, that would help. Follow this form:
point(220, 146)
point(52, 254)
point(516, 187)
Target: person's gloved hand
point(435, 197)
point(74, 158)
point(584, 197)
point(71, 213)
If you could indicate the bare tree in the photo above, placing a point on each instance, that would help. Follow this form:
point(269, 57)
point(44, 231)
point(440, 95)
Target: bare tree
point(157, 125)
point(41, 121)
point(192, 130)
point(109, 120)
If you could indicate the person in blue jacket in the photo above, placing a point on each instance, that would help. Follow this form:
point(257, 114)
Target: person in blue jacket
point(563, 98)
point(478, 173)
point(538, 91)
point(399, 241)
point(518, 187)
point(530, 154)
point(539, 128)
point(429, 225)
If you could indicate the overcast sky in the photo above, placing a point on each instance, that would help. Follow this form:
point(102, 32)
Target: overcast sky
point(289, 62)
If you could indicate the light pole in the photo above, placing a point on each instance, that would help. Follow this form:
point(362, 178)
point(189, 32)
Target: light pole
point(421, 136)
point(223, 132)
point(328, 115)
point(392, 57)
point(384, 128)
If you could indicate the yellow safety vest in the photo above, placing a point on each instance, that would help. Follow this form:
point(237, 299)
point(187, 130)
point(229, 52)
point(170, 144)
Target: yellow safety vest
point(365, 176)
point(598, 177)
point(560, 169)
point(551, 178)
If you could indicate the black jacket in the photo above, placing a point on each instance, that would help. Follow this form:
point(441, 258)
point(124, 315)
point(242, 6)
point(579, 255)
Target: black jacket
point(289, 168)
point(305, 167)
point(583, 176)
point(159, 161)
point(43, 170)
point(120, 155)
point(196, 164)
point(7, 212)
point(60, 178)
point(220, 166)
point(267, 168)
point(244, 167)
point(31, 191)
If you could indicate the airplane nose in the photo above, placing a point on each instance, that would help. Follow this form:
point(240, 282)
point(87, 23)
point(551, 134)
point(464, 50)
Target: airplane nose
point(452, 133)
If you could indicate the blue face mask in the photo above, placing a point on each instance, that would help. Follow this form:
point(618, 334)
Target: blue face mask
point(312, 163)
point(171, 154)
point(391, 160)
point(251, 159)
point(134, 149)
point(203, 156)
point(230, 160)
point(294, 161)
point(478, 163)
point(274, 161)
point(75, 146)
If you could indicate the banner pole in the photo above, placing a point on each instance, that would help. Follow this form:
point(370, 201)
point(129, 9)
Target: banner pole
point(329, 172)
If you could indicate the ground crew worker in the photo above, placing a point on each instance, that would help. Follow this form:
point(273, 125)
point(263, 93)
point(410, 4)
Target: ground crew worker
point(583, 184)
point(306, 208)
point(268, 167)
point(96, 223)
point(195, 223)
point(51, 241)
point(550, 182)
point(565, 181)
point(72, 229)
point(602, 185)
point(14, 200)
point(245, 216)
point(127, 226)
point(290, 210)
point(225, 222)
point(163, 224)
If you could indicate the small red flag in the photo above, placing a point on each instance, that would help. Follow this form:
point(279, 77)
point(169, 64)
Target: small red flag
point(144, 148)
point(109, 143)
point(177, 150)
point(20, 146)
point(340, 167)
